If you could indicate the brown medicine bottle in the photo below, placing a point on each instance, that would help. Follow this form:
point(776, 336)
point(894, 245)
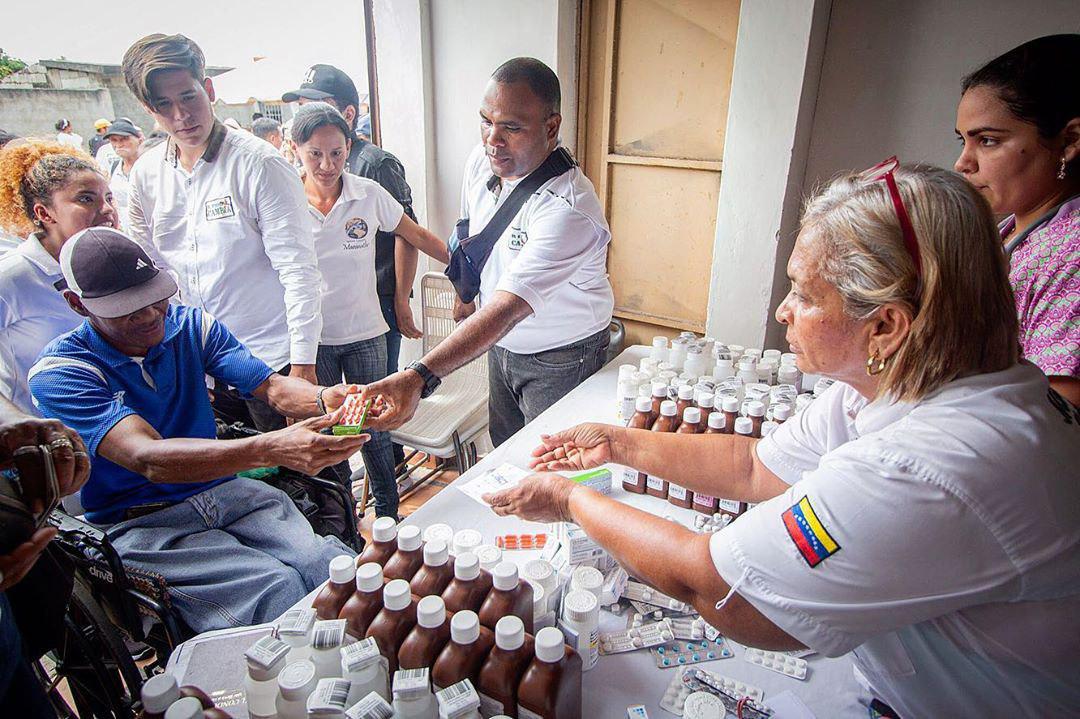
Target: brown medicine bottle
point(755, 410)
point(551, 685)
point(469, 586)
point(634, 481)
point(330, 601)
point(716, 423)
point(428, 637)
point(678, 495)
point(509, 596)
point(655, 486)
point(730, 408)
point(659, 396)
point(465, 654)
point(501, 673)
point(366, 602)
point(383, 542)
point(704, 402)
point(781, 413)
point(436, 572)
point(685, 400)
point(409, 555)
point(394, 622)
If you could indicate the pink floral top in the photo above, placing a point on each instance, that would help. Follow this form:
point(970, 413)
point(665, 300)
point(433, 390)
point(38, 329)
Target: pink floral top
point(1044, 270)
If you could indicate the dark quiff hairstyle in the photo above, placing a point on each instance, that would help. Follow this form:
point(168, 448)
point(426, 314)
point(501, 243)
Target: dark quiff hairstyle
point(540, 78)
point(160, 52)
point(311, 116)
point(1036, 81)
point(30, 172)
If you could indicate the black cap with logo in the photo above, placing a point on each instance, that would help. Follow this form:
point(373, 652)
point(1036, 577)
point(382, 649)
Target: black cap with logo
point(111, 273)
point(324, 82)
point(121, 126)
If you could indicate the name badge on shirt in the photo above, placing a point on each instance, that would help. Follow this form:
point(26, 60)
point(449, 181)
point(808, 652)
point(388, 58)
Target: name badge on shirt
point(518, 238)
point(220, 208)
point(356, 229)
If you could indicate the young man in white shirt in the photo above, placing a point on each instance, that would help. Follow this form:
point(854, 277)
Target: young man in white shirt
point(545, 301)
point(225, 213)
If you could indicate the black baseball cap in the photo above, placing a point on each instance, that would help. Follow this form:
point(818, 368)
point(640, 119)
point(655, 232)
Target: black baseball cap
point(121, 126)
point(111, 273)
point(324, 82)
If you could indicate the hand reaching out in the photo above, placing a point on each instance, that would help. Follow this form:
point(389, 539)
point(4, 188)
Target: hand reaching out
point(583, 446)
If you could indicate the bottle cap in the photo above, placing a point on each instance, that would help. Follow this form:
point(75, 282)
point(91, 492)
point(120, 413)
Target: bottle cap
point(489, 556)
point(705, 400)
point(159, 692)
point(265, 658)
point(643, 404)
point(686, 391)
point(581, 607)
point(186, 708)
point(466, 566)
point(730, 404)
point(505, 576)
point(755, 409)
point(408, 538)
point(748, 365)
point(384, 529)
point(752, 352)
point(540, 571)
point(439, 531)
point(659, 389)
point(549, 645)
point(410, 683)
point(465, 627)
point(297, 680)
point(659, 341)
point(359, 655)
point(691, 415)
point(430, 612)
point(744, 425)
point(724, 362)
point(716, 420)
point(436, 553)
point(396, 595)
point(369, 577)
point(467, 540)
point(788, 358)
point(782, 411)
point(668, 408)
point(587, 579)
point(510, 633)
point(768, 427)
point(787, 374)
point(342, 569)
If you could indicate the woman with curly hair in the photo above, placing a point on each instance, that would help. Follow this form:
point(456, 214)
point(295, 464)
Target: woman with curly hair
point(48, 192)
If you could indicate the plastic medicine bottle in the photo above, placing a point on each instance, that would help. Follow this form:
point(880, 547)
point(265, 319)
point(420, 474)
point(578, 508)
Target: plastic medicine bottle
point(366, 601)
point(730, 407)
point(294, 628)
point(632, 480)
point(265, 660)
point(508, 596)
point(436, 572)
point(655, 486)
point(465, 654)
point(427, 639)
point(581, 614)
point(366, 669)
point(326, 640)
point(383, 542)
point(329, 601)
point(756, 412)
point(160, 691)
point(409, 555)
point(716, 423)
point(412, 695)
point(469, 586)
point(501, 673)
point(551, 685)
point(394, 622)
point(295, 684)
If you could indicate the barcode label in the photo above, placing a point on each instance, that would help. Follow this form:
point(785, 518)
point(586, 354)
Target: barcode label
point(329, 696)
point(358, 655)
point(329, 633)
point(372, 706)
point(458, 699)
point(266, 651)
point(296, 621)
point(409, 680)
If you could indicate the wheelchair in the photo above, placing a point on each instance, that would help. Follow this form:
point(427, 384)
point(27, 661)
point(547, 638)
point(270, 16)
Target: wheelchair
point(111, 602)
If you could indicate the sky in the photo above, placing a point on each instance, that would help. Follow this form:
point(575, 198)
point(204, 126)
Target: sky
point(230, 32)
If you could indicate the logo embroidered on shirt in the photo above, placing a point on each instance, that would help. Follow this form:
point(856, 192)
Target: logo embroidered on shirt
point(813, 541)
point(119, 398)
point(220, 208)
point(139, 264)
point(518, 238)
point(356, 228)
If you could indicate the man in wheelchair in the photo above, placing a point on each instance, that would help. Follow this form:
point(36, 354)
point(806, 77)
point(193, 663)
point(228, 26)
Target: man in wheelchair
point(131, 381)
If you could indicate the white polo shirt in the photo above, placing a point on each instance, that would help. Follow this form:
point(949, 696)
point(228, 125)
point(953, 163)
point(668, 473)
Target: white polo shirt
point(32, 314)
point(345, 245)
point(120, 186)
point(553, 255)
point(235, 234)
point(937, 541)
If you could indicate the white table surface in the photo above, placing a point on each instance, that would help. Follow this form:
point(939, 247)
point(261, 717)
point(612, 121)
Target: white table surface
point(621, 680)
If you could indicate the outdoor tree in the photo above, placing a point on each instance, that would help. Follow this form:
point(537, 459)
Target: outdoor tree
point(9, 64)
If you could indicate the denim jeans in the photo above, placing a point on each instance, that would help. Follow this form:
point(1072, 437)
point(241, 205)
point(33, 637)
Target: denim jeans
point(360, 363)
point(236, 554)
point(393, 352)
point(522, 386)
point(21, 695)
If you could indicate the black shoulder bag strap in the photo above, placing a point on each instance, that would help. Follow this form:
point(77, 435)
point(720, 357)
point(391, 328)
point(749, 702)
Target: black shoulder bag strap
point(467, 260)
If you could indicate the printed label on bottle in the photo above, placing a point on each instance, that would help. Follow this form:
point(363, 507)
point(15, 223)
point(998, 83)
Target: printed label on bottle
point(524, 713)
point(490, 707)
point(731, 506)
point(654, 483)
point(704, 500)
point(676, 491)
point(629, 476)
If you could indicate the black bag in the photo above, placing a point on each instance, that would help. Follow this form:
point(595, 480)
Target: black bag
point(468, 255)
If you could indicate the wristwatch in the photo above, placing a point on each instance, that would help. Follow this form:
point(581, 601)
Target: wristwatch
point(431, 382)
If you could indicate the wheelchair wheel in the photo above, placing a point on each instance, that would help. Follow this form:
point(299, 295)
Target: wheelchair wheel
point(103, 680)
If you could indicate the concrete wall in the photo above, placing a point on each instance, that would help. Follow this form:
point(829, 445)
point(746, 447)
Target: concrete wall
point(35, 112)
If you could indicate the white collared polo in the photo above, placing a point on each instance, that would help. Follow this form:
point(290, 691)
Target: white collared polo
point(553, 255)
point(33, 312)
point(235, 234)
point(938, 541)
point(345, 245)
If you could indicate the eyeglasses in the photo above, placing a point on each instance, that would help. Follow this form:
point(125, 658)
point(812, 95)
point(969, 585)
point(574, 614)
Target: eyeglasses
point(885, 171)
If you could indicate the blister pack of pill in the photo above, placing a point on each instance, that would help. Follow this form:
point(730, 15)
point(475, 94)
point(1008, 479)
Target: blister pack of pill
point(677, 691)
point(638, 592)
point(779, 662)
point(634, 638)
point(680, 654)
point(689, 629)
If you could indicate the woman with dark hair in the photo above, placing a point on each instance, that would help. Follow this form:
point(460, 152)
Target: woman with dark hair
point(346, 212)
point(48, 192)
point(1019, 123)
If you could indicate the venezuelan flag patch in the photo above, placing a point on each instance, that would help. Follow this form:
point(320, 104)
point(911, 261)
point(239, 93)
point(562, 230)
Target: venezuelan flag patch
point(810, 536)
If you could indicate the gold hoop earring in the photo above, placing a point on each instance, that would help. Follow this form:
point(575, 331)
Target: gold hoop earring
point(871, 370)
point(1061, 170)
